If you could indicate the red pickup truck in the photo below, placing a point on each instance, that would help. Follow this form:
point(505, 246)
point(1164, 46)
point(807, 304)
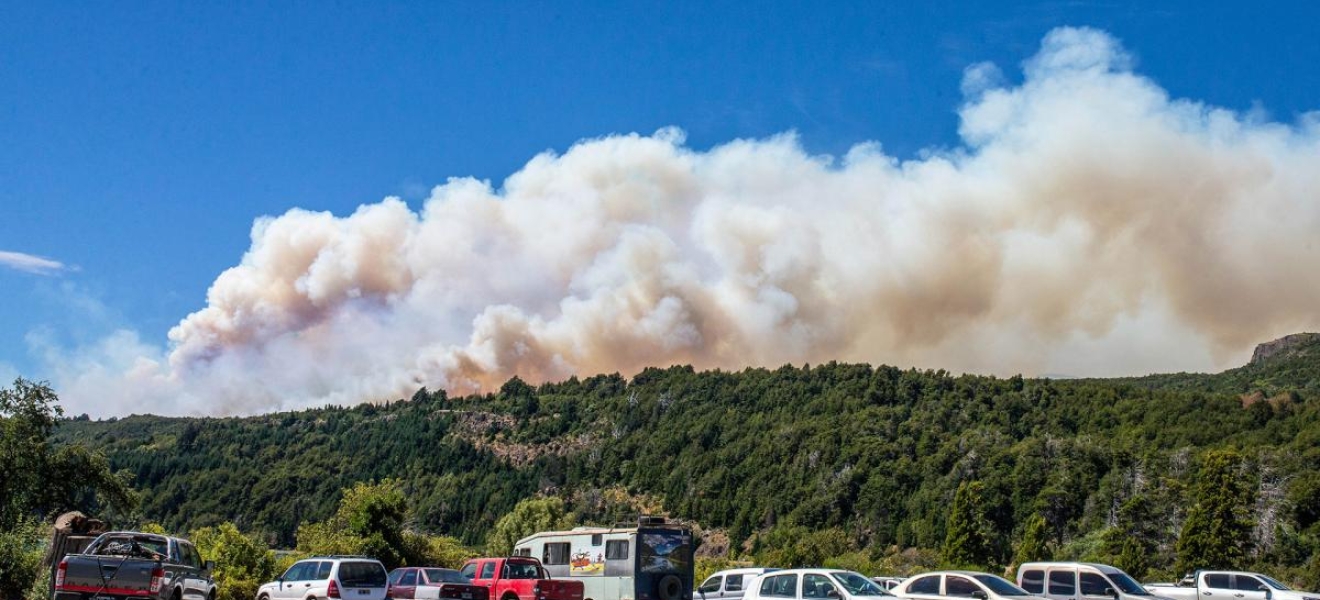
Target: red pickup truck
point(519, 578)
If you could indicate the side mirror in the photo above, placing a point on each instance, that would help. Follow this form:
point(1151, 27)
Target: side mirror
point(1268, 593)
point(1111, 592)
point(831, 593)
point(979, 595)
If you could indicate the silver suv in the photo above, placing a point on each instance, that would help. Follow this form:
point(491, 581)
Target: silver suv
point(322, 577)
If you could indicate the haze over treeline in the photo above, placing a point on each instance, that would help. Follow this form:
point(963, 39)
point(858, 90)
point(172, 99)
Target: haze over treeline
point(1088, 224)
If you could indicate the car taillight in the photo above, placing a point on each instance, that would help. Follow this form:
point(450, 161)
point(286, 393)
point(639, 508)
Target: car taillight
point(333, 590)
point(157, 579)
point(60, 572)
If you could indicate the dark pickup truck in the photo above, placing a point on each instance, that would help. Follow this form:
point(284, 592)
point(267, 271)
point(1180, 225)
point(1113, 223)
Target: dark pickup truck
point(128, 564)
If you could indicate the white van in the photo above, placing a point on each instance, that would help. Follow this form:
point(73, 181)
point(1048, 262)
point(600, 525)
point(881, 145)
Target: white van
point(1080, 581)
point(729, 584)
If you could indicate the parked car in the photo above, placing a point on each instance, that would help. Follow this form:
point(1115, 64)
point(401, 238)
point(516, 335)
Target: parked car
point(355, 577)
point(730, 584)
point(519, 578)
point(815, 584)
point(123, 564)
point(432, 583)
point(940, 585)
point(1229, 585)
point(1080, 581)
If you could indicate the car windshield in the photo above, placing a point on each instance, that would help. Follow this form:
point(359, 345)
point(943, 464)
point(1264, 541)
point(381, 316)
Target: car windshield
point(1127, 584)
point(858, 585)
point(999, 585)
point(1272, 583)
point(362, 574)
point(445, 576)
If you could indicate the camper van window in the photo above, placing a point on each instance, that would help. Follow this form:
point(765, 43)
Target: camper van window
point(597, 539)
point(555, 554)
point(616, 550)
point(1063, 583)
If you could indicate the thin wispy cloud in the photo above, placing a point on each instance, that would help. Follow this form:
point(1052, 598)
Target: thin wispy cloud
point(29, 263)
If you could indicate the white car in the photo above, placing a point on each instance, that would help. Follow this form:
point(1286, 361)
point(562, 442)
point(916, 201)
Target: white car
point(815, 584)
point(347, 577)
point(730, 584)
point(941, 585)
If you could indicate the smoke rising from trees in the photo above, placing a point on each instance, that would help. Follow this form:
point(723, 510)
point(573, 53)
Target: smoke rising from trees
point(1088, 224)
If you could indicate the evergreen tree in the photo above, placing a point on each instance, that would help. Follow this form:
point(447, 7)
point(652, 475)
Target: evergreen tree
point(1217, 532)
point(1034, 545)
point(969, 539)
point(1133, 539)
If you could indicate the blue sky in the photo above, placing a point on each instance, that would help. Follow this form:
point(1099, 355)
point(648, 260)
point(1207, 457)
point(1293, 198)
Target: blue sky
point(139, 141)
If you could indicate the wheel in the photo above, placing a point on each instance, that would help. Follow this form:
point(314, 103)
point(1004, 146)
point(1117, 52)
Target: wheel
point(669, 588)
point(510, 597)
point(263, 597)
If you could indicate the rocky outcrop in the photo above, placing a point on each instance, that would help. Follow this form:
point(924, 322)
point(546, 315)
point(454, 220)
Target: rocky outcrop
point(1283, 346)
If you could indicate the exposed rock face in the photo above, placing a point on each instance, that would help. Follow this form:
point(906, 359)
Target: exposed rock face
point(1282, 345)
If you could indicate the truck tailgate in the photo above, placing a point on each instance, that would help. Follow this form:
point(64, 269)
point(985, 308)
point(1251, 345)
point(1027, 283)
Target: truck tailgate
point(115, 576)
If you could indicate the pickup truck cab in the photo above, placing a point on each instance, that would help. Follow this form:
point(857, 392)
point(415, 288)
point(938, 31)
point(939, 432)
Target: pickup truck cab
point(730, 584)
point(129, 564)
point(519, 578)
point(1080, 581)
point(1229, 585)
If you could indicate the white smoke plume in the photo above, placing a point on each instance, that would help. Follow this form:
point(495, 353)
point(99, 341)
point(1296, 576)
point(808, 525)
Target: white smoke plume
point(1088, 224)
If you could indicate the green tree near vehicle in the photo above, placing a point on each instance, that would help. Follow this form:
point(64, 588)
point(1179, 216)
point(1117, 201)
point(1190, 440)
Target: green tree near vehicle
point(969, 538)
point(527, 517)
point(1134, 539)
point(1217, 532)
point(241, 562)
point(39, 480)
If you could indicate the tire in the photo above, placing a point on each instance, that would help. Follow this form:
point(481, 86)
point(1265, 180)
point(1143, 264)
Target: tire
point(509, 597)
point(670, 587)
point(263, 597)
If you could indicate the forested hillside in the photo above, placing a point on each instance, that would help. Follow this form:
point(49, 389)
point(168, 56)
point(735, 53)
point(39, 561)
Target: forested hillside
point(793, 464)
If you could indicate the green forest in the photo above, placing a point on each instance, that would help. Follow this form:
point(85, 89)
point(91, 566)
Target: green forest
point(879, 469)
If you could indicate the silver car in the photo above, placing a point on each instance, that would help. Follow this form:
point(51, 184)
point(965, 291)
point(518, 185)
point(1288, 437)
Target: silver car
point(729, 584)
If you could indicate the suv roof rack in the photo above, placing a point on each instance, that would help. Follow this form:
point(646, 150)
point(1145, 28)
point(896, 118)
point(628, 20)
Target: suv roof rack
point(340, 556)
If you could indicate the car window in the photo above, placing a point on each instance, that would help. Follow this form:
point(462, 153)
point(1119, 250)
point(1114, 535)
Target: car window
point(1063, 583)
point(409, 578)
point(356, 574)
point(733, 583)
point(817, 586)
point(298, 572)
point(1247, 583)
point(711, 585)
point(487, 570)
point(780, 586)
point(1217, 581)
point(521, 570)
point(929, 584)
point(960, 587)
point(469, 570)
point(323, 571)
point(1033, 580)
point(1093, 584)
point(395, 575)
point(445, 576)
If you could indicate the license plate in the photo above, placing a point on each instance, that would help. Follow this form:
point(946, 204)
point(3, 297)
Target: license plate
point(363, 592)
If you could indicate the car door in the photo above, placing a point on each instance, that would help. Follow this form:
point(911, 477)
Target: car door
point(192, 571)
point(1061, 584)
point(1217, 586)
point(1093, 586)
point(1247, 587)
point(818, 587)
point(710, 589)
point(291, 583)
point(957, 586)
point(926, 587)
point(733, 586)
point(407, 587)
